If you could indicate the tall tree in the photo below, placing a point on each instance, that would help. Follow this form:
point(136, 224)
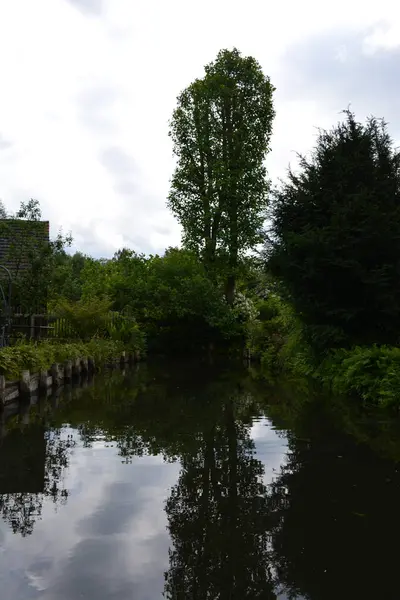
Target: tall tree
point(221, 130)
point(335, 240)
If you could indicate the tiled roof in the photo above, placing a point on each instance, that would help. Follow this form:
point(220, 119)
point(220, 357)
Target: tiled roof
point(17, 239)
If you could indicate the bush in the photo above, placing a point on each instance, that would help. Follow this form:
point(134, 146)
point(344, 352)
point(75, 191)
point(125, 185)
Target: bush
point(125, 329)
point(372, 373)
point(173, 299)
point(274, 338)
point(369, 373)
point(92, 318)
point(86, 317)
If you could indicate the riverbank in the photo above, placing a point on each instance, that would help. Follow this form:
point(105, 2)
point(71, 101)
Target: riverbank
point(368, 374)
point(27, 368)
point(365, 373)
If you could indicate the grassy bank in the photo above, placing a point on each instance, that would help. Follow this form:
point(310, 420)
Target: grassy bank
point(37, 357)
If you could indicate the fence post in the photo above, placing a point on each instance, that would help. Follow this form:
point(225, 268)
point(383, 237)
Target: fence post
point(76, 367)
point(55, 373)
point(68, 369)
point(32, 327)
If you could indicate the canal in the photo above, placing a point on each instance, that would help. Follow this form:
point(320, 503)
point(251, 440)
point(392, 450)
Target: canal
point(191, 481)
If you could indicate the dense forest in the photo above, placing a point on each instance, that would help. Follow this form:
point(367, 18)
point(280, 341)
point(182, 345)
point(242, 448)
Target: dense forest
point(303, 275)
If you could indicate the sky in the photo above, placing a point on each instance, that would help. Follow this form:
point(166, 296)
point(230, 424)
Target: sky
point(88, 88)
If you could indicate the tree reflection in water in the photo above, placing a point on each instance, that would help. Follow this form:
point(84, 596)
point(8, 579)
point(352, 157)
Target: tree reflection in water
point(324, 529)
point(218, 511)
point(218, 517)
point(33, 461)
point(335, 522)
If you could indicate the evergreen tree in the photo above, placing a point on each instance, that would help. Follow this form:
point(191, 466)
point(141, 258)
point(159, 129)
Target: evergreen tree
point(335, 236)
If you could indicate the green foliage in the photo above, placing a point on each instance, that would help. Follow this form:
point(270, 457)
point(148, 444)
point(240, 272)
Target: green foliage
point(15, 359)
point(117, 278)
point(371, 373)
point(335, 237)
point(125, 329)
point(23, 356)
point(86, 318)
point(368, 373)
point(268, 332)
point(29, 211)
point(171, 297)
point(181, 305)
point(93, 318)
point(67, 279)
point(221, 130)
point(177, 285)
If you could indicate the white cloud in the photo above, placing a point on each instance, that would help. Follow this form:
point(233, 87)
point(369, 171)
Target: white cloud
point(86, 78)
point(271, 448)
point(385, 37)
point(111, 534)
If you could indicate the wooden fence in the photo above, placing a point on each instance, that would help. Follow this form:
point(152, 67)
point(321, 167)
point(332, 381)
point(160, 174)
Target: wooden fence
point(41, 326)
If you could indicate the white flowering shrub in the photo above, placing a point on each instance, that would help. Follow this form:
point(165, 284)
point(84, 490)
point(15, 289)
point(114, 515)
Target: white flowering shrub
point(244, 308)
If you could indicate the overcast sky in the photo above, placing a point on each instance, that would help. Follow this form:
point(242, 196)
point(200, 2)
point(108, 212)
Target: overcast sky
point(88, 87)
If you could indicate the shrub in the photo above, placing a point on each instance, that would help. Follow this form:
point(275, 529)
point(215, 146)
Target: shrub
point(86, 317)
point(372, 373)
point(125, 329)
point(271, 336)
point(172, 297)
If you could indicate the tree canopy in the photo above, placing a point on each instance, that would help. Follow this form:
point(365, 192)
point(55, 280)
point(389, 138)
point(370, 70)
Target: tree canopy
point(335, 236)
point(170, 296)
point(221, 130)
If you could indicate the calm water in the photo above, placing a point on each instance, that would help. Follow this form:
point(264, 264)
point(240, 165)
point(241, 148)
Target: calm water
point(196, 483)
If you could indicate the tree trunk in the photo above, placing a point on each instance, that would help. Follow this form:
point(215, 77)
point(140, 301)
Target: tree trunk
point(230, 289)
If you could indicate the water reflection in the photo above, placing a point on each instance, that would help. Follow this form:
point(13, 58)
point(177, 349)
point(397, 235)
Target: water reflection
point(33, 460)
point(218, 516)
point(335, 518)
point(171, 481)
